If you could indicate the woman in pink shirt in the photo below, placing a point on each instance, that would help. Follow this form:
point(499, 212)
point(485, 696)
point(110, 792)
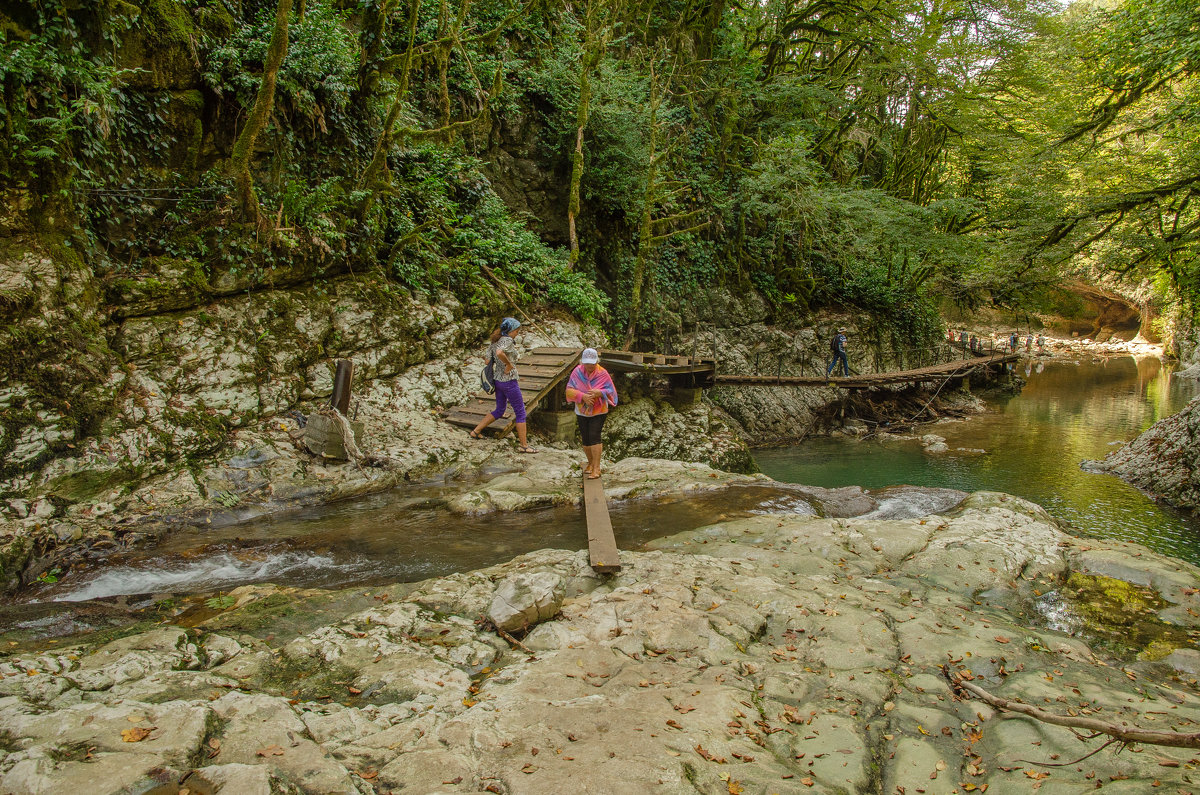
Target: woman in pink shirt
point(591, 389)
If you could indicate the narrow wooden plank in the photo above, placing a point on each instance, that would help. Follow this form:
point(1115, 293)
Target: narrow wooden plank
point(602, 546)
point(497, 428)
point(543, 361)
point(540, 369)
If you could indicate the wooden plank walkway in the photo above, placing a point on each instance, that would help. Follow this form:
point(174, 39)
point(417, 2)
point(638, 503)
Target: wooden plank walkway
point(540, 371)
point(602, 546)
point(656, 363)
point(868, 380)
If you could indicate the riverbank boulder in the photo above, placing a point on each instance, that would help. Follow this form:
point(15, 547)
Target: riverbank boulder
point(1163, 461)
point(775, 653)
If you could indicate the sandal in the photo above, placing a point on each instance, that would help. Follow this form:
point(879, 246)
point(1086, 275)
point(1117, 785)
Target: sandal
point(526, 449)
point(475, 434)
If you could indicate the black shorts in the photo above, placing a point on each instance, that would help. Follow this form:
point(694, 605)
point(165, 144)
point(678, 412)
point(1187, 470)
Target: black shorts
point(589, 428)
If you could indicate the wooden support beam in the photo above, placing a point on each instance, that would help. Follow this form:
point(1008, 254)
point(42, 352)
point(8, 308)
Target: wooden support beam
point(602, 546)
point(342, 380)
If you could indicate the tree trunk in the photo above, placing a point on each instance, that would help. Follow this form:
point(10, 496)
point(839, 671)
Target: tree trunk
point(593, 51)
point(243, 148)
point(645, 226)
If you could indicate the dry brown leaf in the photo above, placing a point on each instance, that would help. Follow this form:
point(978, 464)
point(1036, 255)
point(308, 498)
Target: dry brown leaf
point(136, 734)
point(270, 750)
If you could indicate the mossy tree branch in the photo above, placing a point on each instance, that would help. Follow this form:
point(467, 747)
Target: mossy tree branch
point(243, 148)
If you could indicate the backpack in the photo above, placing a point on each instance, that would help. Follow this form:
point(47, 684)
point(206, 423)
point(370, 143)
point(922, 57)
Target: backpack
point(833, 343)
point(487, 376)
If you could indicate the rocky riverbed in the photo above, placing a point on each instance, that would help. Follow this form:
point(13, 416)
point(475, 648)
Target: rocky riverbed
point(778, 653)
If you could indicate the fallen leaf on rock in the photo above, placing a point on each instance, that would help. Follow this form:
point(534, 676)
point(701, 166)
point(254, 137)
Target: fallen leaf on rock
point(136, 734)
point(370, 774)
point(1037, 775)
point(808, 782)
point(455, 780)
point(941, 765)
point(215, 747)
point(1002, 639)
point(270, 750)
point(673, 724)
point(529, 768)
point(683, 708)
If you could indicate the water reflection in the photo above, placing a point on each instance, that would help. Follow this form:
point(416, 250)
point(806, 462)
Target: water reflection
point(1066, 413)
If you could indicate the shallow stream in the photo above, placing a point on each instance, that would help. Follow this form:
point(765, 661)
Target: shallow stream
point(1034, 441)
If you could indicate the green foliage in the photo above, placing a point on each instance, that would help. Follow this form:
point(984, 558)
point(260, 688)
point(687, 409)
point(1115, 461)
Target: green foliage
point(222, 602)
point(881, 156)
point(318, 72)
point(50, 576)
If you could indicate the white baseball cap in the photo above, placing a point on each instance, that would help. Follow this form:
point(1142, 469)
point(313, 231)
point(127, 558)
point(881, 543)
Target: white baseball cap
point(589, 356)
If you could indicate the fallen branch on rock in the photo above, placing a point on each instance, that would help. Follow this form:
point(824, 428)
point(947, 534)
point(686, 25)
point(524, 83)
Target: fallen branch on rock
point(1121, 733)
point(516, 643)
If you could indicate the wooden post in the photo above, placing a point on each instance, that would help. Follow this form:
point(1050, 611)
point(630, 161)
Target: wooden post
point(341, 386)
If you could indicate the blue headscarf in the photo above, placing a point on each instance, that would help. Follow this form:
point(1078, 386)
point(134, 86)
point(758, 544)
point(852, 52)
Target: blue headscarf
point(508, 324)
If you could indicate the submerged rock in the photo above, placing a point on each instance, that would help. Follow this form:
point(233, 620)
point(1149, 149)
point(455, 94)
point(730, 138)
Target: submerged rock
point(778, 653)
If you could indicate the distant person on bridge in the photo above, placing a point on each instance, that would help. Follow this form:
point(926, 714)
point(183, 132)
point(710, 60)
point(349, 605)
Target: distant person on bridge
point(591, 389)
point(1029, 343)
point(1013, 340)
point(837, 345)
point(1041, 343)
point(502, 347)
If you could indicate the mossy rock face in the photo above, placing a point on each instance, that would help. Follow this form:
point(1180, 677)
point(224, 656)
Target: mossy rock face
point(14, 554)
point(1124, 616)
point(165, 284)
point(85, 484)
point(158, 49)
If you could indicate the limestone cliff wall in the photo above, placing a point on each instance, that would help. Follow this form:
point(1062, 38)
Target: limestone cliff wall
point(748, 337)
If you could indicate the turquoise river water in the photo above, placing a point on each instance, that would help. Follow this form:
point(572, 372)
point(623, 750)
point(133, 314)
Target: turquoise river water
point(1067, 412)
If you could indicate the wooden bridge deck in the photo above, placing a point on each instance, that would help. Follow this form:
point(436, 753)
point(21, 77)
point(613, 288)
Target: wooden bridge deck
point(868, 380)
point(540, 371)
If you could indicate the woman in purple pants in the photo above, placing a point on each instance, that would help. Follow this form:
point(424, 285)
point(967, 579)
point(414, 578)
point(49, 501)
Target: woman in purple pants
point(508, 385)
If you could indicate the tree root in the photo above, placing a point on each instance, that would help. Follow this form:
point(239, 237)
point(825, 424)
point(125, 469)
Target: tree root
point(1120, 733)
